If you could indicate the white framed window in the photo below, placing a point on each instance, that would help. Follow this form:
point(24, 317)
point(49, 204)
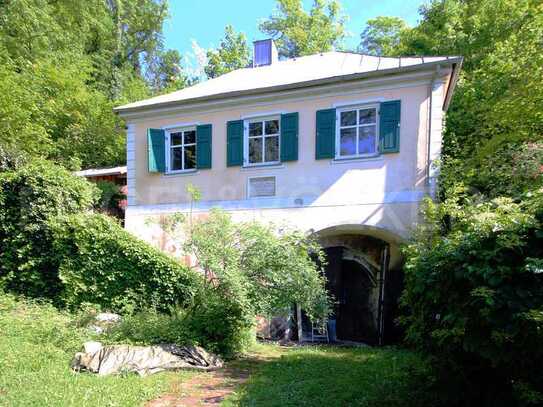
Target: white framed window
point(261, 141)
point(181, 149)
point(259, 187)
point(357, 131)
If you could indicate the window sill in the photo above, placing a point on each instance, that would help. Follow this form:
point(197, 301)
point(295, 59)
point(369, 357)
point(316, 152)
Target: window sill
point(348, 160)
point(262, 167)
point(180, 173)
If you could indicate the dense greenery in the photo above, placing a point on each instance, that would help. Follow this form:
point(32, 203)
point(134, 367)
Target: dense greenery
point(249, 270)
point(29, 197)
point(101, 263)
point(475, 295)
point(65, 64)
point(496, 110)
point(53, 247)
point(273, 271)
point(214, 319)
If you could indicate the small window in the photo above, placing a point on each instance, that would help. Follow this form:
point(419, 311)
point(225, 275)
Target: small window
point(181, 151)
point(357, 132)
point(261, 187)
point(262, 141)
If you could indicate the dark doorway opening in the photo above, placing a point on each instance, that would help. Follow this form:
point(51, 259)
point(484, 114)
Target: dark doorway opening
point(355, 320)
point(365, 292)
point(353, 290)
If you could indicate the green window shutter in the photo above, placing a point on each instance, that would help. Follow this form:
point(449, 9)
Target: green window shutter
point(326, 134)
point(389, 127)
point(289, 137)
point(156, 147)
point(234, 143)
point(203, 146)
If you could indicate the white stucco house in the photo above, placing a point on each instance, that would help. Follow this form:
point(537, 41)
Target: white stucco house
point(338, 144)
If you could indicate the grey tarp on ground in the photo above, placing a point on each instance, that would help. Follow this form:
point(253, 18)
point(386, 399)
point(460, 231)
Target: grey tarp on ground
point(144, 360)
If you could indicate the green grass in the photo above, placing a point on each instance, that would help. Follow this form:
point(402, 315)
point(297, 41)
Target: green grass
point(37, 343)
point(333, 376)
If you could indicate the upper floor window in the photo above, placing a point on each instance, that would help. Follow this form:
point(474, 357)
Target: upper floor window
point(357, 132)
point(181, 149)
point(262, 141)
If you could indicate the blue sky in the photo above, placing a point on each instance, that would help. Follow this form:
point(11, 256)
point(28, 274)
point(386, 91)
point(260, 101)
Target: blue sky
point(203, 21)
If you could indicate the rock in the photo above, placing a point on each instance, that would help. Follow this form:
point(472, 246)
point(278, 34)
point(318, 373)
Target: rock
point(108, 317)
point(104, 321)
point(144, 360)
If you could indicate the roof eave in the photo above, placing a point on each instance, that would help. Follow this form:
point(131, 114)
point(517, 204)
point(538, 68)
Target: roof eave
point(452, 83)
point(324, 81)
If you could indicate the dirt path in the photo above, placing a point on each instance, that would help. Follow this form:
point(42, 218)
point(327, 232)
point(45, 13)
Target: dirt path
point(210, 389)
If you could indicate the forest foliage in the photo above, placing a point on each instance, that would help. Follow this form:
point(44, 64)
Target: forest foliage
point(65, 64)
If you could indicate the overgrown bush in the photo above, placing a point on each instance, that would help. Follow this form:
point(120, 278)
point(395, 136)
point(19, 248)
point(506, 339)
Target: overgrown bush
point(29, 196)
point(162, 300)
point(272, 269)
point(221, 319)
point(474, 289)
point(215, 321)
point(99, 262)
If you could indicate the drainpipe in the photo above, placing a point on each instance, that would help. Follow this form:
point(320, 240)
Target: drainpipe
point(381, 305)
point(432, 172)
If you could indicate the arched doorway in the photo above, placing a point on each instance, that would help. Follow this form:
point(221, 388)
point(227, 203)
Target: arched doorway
point(365, 278)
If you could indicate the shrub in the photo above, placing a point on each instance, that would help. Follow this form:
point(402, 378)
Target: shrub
point(163, 301)
point(221, 319)
point(149, 326)
point(52, 246)
point(272, 269)
point(474, 288)
point(101, 263)
point(215, 321)
point(29, 196)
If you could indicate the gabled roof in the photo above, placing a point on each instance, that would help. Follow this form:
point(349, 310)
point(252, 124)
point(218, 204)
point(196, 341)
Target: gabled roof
point(290, 73)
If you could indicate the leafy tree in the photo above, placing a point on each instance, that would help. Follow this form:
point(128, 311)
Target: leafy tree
point(233, 53)
point(65, 64)
point(298, 32)
point(382, 36)
point(474, 288)
point(497, 103)
point(272, 271)
point(165, 72)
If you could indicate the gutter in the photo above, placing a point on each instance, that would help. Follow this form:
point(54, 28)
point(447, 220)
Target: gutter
point(306, 84)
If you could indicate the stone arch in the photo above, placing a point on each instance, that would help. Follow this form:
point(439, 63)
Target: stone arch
point(364, 275)
point(327, 234)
